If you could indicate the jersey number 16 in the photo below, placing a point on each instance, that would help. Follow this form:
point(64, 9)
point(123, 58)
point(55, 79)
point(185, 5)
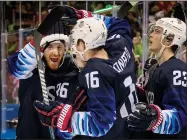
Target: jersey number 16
point(91, 80)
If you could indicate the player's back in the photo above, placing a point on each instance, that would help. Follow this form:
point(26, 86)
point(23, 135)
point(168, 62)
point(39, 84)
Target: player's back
point(110, 88)
point(114, 76)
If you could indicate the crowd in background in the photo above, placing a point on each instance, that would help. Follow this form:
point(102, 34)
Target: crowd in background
point(30, 19)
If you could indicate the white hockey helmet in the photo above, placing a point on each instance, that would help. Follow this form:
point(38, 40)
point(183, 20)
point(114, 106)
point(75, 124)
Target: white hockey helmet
point(92, 31)
point(173, 26)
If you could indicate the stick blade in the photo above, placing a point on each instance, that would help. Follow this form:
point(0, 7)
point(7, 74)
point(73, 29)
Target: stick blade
point(178, 12)
point(125, 7)
point(51, 19)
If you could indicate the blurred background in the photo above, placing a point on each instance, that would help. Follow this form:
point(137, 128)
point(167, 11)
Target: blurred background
point(19, 19)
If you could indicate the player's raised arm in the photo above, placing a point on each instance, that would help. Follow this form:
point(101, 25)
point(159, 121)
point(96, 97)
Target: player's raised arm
point(22, 63)
point(118, 38)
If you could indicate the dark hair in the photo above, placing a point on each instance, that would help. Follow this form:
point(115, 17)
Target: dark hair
point(100, 2)
point(98, 48)
point(185, 43)
point(174, 48)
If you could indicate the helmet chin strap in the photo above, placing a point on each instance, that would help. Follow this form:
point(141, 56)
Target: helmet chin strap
point(63, 58)
point(159, 54)
point(82, 53)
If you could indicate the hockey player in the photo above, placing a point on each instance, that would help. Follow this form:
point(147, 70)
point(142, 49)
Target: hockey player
point(61, 80)
point(165, 115)
point(61, 77)
point(108, 78)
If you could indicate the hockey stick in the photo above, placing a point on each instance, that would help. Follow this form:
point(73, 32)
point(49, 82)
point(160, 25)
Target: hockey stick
point(41, 70)
point(42, 29)
point(56, 14)
point(52, 18)
point(126, 7)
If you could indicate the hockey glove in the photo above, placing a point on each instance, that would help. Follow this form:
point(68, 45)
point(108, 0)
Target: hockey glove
point(74, 13)
point(55, 114)
point(141, 93)
point(78, 99)
point(145, 118)
point(79, 14)
point(148, 64)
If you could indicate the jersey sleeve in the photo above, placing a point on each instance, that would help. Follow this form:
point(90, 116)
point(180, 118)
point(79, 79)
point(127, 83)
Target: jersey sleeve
point(101, 106)
point(22, 63)
point(174, 103)
point(119, 35)
point(118, 38)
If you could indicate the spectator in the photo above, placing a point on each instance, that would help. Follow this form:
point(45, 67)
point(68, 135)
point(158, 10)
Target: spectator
point(28, 36)
point(12, 43)
point(137, 42)
point(184, 52)
point(99, 5)
point(133, 21)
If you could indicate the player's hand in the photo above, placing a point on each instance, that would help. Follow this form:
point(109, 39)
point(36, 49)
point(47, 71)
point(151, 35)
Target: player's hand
point(149, 63)
point(50, 114)
point(145, 118)
point(74, 13)
point(31, 44)
point(78, 99)
point(55, 114)
point(141, 93)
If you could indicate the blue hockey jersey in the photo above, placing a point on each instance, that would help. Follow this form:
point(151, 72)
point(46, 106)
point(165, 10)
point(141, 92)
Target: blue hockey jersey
point(110, 87)
point(60, 86)
point(168, 83)
point(23, 62)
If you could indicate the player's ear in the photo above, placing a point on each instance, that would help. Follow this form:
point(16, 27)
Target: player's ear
point(81, 45)
point(168, 40)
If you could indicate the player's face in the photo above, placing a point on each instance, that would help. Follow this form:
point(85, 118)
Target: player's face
point(155, 40)
point(54, 54)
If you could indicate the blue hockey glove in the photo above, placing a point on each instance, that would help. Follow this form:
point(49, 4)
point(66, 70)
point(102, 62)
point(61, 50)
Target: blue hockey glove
point(145, 118)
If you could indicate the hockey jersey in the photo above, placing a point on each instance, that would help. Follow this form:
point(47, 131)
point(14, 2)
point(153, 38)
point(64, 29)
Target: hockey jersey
point(167, 86)
point(110, 87)
point(60, 86)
